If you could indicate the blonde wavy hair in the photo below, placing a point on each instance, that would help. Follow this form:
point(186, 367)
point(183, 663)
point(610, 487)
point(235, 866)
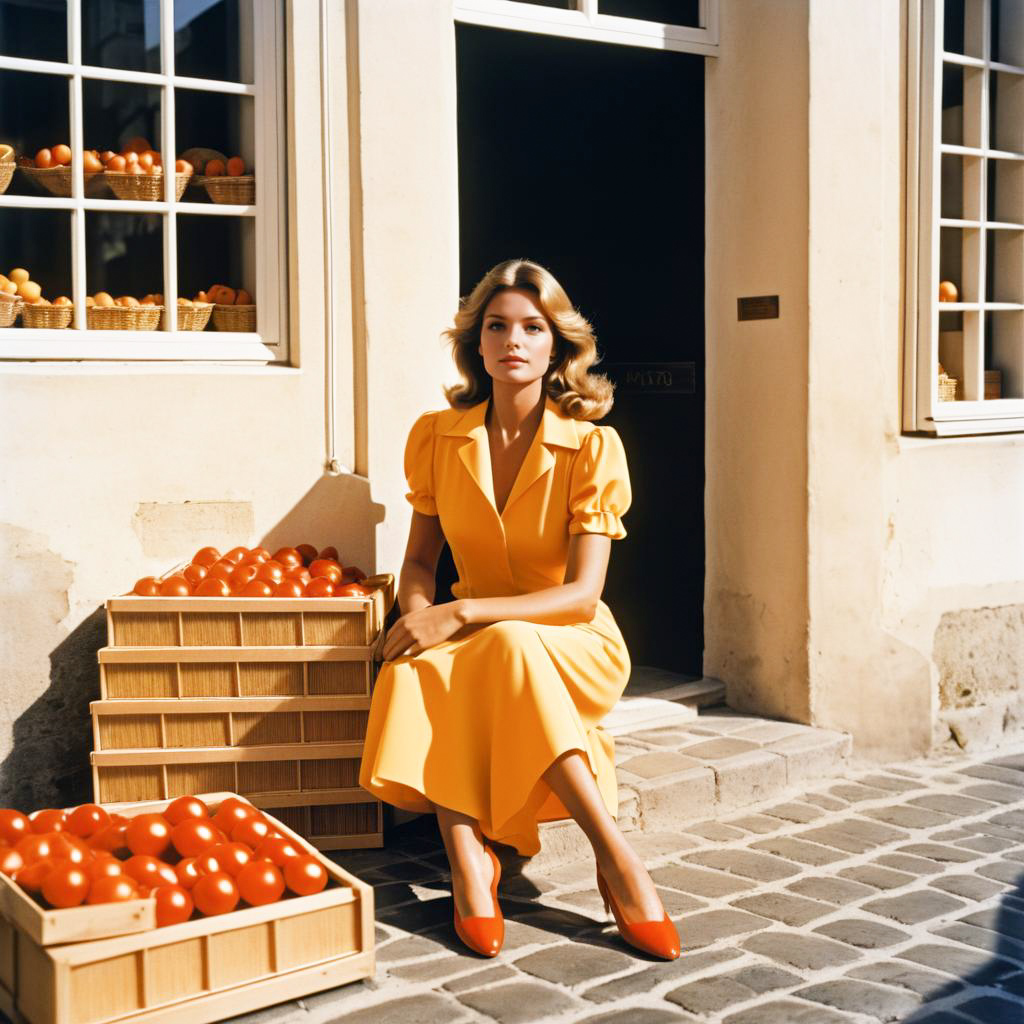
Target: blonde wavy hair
point(580, 394)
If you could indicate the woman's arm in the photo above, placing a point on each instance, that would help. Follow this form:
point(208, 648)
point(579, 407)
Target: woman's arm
point(575, 600)
point(416, 580)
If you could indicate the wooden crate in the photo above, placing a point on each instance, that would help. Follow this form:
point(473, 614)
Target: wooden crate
point(217, 671)
point(200, 971)
point(314, 785)
point(249, 622)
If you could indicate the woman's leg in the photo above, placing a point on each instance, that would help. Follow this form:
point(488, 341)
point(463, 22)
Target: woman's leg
point(472, 871)
point(570, 779)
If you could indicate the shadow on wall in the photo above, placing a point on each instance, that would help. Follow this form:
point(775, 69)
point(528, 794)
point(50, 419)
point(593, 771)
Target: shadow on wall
point(999, 932)
point(47, 762)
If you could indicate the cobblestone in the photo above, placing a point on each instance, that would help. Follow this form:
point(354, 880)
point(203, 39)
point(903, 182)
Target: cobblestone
point(882, 895)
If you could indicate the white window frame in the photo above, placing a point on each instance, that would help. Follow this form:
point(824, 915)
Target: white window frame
point(922, 410)
point(586, 22)
point(269, 343)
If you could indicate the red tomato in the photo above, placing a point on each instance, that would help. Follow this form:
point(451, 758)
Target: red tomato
point(318, 587)
point(278, 849)
point(289, 588)
point(209, 861)
point(195, 574)
point(103, 866)
point(251, 559)
point(270, 572)
point(192, 836)
point(300, 573)
point(305, 875)
point(235, 555)
point(64, 846)
point(256, 588)
point(10, 861)
point(233, 857)
point(66, 885)
point(148, 834)
point(215, 894)
point(288, 557)
point(220, 571)
point(112, 890)
point(350, 590)
point(32, 876)
point(49, 820)
point(331, 553)
point(231, 812)
point(33, 848)
point(186, 807)
point(112, 839)
point(148, 586)
point(187, 872)
point(242, 575)
point(206, 556)
point(150, 871)
point(173, 905)
point(87, 820)
point(308, 553)
point(323, 567)
point(213, 586)
point(251, 831)
point(13, 825)
point(175, 586)
point(260, 882)
point(261, 553)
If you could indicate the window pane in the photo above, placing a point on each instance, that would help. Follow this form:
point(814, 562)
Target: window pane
point(1004, 332)
point(1008, 32)
point(1004, 266)
point(953, 104)
point(124, 254)
point(37, 30)
point(963, 29)
point(33, 116)
point(671, 12)
point(119, 113)
point(217, 251)
point(1006, 112)
point(38, 241)
point(213, 39)
point(125, 34)
point(213, 125)
point(1006, 191)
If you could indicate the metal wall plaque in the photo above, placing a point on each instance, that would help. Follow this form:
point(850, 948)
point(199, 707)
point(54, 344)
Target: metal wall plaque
point(758, 307)
point(652, 378)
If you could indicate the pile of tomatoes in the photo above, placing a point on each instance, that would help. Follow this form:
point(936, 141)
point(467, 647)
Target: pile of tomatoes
point(189, 861)
point(254, 572)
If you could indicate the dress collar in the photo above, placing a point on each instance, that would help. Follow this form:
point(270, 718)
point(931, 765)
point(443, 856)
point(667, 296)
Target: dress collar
point(554, 428)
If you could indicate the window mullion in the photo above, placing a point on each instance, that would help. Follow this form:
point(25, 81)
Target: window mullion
point(167, 146)
point(77, 142)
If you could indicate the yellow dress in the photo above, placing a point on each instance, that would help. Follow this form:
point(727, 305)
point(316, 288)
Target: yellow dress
point(473, 722)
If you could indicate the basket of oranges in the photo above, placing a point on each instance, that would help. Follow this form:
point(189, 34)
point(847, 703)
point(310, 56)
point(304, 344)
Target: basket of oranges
point(126, 313)
point(50, 170)
point(193, 315)
point(43, 313)
point(228, 182)
point(7, 166)
point(233, 309)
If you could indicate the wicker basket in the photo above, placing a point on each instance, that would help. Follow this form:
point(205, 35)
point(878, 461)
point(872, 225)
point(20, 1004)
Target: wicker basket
point(124, 318)
point(234, 318)
point(6, 174)
point(57, 180)
point(10, 307)
point(37, 315)
point(143, 187)
point(190, 318)
point(947, 388)
point(240, 190)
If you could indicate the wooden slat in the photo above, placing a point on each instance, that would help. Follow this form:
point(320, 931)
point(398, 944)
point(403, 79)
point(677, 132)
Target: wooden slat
point(189, 755)
point(159, 655)
point(228, 704)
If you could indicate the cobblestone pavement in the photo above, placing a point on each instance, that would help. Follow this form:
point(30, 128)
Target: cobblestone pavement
point(892, 894)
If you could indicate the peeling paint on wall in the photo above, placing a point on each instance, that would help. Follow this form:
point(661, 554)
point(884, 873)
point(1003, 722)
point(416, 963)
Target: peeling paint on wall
point(173, 530)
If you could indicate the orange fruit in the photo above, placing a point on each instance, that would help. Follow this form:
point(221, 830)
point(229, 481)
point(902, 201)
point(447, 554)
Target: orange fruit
point(215, 168)
point(236, 166)
point(947, 291)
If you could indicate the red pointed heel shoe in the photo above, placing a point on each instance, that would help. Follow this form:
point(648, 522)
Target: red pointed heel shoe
point(484, 935)
point(659, 938)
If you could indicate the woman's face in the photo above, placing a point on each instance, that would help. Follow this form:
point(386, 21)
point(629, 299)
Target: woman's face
point(516, 340)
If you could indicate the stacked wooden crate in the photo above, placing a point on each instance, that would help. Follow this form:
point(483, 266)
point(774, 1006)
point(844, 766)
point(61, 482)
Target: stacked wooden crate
point(107, 963)
point(266, 697)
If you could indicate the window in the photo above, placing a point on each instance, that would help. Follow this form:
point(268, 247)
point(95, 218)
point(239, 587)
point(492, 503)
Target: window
point(687, 26)
point(965, 314)
point(195, 80)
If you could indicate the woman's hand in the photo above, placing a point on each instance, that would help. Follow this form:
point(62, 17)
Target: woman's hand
point(418, 630)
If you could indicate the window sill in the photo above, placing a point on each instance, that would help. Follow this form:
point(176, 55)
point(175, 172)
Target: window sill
point(133, 346)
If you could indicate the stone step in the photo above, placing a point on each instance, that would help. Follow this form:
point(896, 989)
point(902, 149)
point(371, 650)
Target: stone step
point(709, 767)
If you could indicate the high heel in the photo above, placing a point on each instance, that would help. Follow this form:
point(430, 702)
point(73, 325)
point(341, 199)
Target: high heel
point(659, 938)
point(484, 935)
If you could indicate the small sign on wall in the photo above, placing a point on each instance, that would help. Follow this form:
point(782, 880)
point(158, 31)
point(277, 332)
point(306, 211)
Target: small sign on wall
point(758, 307)
point(661, 378)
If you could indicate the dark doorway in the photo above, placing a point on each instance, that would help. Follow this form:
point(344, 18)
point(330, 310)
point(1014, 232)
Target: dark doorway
point(589, 158)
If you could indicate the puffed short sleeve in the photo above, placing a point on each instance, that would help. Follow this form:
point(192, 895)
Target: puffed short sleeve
point(419, 465)
point(599, 491)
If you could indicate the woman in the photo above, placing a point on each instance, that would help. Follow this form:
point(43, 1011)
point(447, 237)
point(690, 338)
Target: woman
point(486, 709)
